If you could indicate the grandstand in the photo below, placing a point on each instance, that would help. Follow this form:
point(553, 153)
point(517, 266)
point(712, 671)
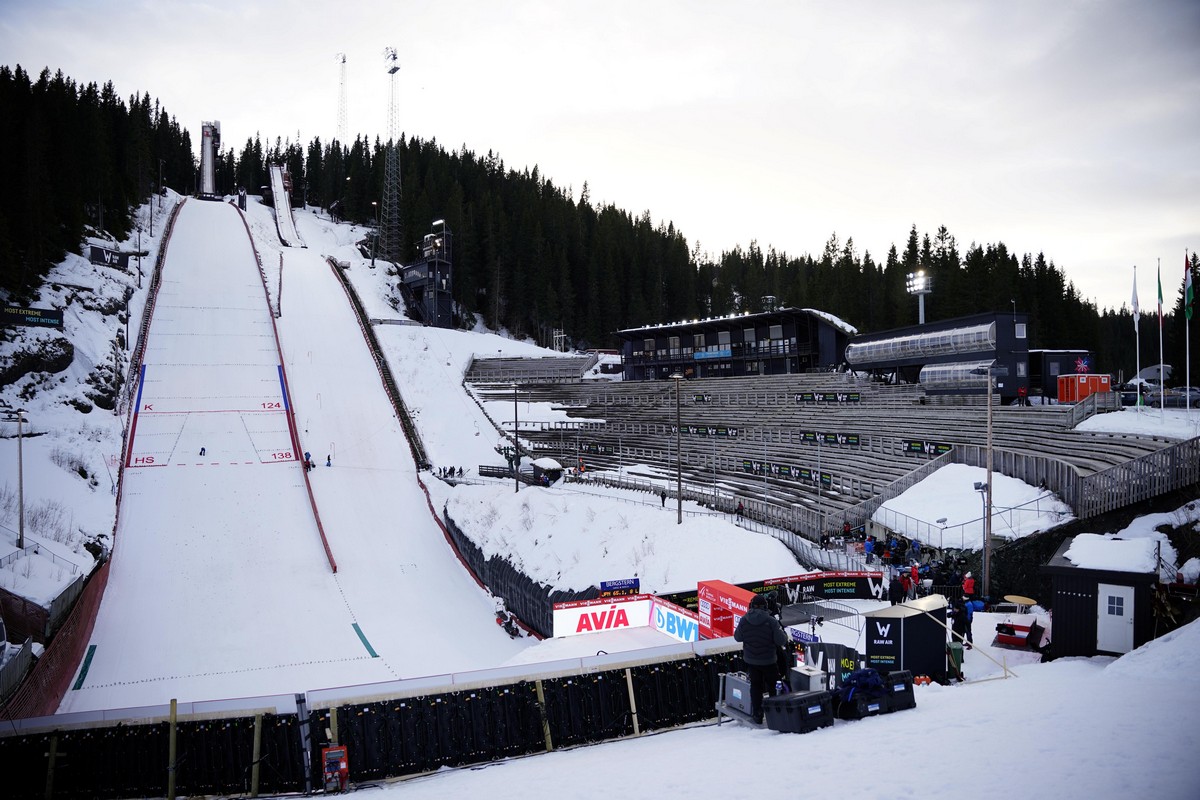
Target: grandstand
point(767, 440)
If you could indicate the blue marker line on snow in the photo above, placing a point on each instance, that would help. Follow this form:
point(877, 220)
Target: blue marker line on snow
point(87, 664)
point(366, 644)
point(283, 389)
point(141, 385)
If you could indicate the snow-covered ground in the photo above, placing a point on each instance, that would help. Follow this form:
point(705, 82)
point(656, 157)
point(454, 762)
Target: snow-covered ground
point(270, 616)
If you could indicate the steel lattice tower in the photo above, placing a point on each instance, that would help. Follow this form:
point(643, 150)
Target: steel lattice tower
point(389, 233)
point(341, 118)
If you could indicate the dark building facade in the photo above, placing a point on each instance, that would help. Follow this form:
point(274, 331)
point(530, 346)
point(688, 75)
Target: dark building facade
point(1045, 367)
point(951, 356)
point(782, 342)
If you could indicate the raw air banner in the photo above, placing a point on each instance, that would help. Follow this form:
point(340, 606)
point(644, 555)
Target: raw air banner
point(109, 258)
point(836, 660)
point(828, 586)
point(35, 317)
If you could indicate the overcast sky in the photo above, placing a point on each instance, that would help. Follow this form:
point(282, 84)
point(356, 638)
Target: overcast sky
point(1068, 128)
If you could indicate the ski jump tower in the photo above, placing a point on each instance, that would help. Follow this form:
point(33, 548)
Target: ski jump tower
point(429, 282)
point(210, 147)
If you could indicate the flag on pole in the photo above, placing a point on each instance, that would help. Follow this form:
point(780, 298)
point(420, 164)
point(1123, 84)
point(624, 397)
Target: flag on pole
point(1160, 318)
point(1136, 315)
point(1188, 295)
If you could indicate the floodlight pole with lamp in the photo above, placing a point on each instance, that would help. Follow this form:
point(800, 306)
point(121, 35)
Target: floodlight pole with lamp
point(920, 284)
point(942, 534)
point(986, 488)
point(15, 415)
point(677, 377)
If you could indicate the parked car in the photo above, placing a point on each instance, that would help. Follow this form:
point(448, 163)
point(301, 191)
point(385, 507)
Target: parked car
point(1180, 397)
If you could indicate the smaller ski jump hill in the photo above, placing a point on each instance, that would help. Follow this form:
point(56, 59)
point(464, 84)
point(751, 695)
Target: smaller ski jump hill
point(284, 221)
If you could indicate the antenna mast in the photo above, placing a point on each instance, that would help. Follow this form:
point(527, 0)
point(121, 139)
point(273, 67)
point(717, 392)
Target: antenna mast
point(389, 234)
point(341, 118)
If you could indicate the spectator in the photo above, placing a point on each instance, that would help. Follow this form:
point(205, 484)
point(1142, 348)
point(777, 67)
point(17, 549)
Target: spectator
point(869, 549)
point(896, 590)
point(741, 509)
point(962, 615)
point(761, 636)
point(662, 495)
point(968, 586)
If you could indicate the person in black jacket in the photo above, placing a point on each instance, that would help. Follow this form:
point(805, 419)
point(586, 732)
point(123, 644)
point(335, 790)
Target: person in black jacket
point(761, 635)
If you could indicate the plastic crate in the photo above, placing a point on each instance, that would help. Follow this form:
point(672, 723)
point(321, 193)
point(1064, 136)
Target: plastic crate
point(799, 712)
point(862, 706)
point(900, 690)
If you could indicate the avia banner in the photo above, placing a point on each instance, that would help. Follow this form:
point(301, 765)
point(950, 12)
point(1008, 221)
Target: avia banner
point(603, 614)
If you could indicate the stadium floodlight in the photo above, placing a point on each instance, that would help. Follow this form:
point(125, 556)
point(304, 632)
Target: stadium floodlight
point(920, 284)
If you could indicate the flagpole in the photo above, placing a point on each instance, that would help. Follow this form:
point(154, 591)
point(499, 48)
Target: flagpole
point(1162, 381)
point(1187, 329)
point(1137, 344)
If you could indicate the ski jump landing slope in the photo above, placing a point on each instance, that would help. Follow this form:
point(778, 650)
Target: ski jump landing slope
point(219, 585)
point(283, 210)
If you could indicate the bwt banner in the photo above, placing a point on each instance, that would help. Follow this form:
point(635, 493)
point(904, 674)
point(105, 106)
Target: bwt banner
point(590, 616)
point(109, 258)
point(38, 317)
point(678, 623)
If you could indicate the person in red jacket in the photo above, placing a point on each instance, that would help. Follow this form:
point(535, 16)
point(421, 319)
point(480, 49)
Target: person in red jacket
point(968, 587)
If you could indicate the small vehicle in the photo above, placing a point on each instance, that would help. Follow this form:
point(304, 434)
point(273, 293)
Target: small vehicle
point(1180, 397)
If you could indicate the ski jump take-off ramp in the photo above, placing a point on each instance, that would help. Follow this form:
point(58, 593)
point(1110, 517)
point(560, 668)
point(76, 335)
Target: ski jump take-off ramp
point(284, 220)
point(220, 585)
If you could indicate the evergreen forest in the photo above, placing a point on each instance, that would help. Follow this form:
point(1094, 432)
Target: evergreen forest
point(529, 256)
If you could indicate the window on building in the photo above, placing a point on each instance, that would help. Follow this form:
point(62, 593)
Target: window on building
point(1021, 369)
point(723, 338)
point(1055, 369)
point(776, 332)
point(648, 345)
point(748, 335)
point(673, 344)
point(698, 341)
point(1116, 605)
point(1020, 330)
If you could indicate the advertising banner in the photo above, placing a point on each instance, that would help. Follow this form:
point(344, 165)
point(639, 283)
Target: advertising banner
point(837, 660)
point(109, 258)
point(620, 588)
point(829, 586)
point(589, 616)
point(678, 623)
point(34, 317)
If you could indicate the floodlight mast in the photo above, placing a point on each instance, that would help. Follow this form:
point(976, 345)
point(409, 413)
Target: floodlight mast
point(920, 284)
point(389, 240)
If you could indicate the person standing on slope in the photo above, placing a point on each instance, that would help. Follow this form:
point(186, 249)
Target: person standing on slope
point(760, 635)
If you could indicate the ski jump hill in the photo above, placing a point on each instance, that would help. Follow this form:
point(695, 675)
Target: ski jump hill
point(236, 572)
point(284, 221)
